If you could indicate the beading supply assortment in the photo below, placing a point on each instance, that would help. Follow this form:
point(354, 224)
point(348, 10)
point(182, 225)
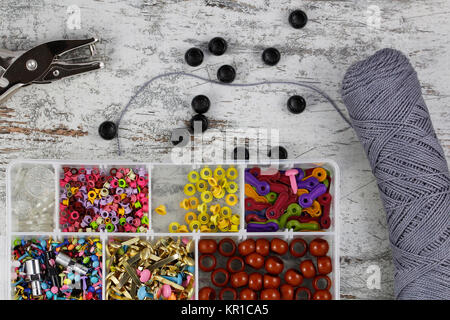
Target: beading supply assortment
point(145, 231)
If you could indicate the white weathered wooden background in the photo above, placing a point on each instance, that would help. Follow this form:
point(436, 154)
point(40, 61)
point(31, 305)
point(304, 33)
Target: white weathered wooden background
point(142, 38)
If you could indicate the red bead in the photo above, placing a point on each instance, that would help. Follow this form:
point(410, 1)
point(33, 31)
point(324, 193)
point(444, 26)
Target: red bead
point(254, 260)
point(274, 265)
point(207, 262)
point(247, 294)
point(298, 247)
point(220, 277)
point(324, 265)
point(322, 295)
point(307, 268)
point(318, 247)
point(235, 264)
point(279, 246)
point(293, 277)
point(302, 293)
point(239, 279)
point(206, 293)
point(227, 247)
point(270, 294)
point(246, 247)
point(262, 247)
point(322, 282)
point(271, 282)
point(228, 294)
point(255, 281)
point(287, 292)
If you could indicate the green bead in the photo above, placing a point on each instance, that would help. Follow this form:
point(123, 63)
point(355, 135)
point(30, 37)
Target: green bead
point(122, 221)
point(296, 226)
point(271, 197)
point(109, 227)
point(144, 220)
point(137, 205)
point(94, 225)
point(86, 260)
point(326, 183)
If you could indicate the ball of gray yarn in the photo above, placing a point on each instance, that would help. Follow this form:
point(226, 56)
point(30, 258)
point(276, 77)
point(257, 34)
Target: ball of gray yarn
point(387, 110)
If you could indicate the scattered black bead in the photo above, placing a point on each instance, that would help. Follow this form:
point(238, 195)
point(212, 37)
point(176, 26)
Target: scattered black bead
point(296, 104)
point(107, 130)
point(226, 73)
point(194, 57)
point(200, 104)
point(282, 152)
point(176, 142)
point(298, 19)
point(203, 119)
point(217, 46)
point(238, 151)
point(271, 56)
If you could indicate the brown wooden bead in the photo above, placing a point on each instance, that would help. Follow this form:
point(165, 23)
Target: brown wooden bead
point(235, 264)
point(271, 282)
point(293, 277)
point(321, 282)
point(274, 265)
point(208, 246)
point(227, 247)
point(322, 295)
point(298, 247)
point(247, 294)
point(318, 247)
point(220, 277)
point(287, 292)
point(270, 294)
point(263, 247)
point(307, 268)
point(254, 260)
point(279, 246)
point(302, 293)
point(207, 262)
point(255, 281)
point(324, 265)
point(246, 247)
point(228, 294)
point(206, 293)
point(239, 279)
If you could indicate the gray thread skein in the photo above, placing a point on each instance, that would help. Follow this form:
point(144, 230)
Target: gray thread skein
point(387, 110)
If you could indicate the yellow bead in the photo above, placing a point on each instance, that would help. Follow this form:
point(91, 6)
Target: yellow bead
point(207, 196)
point(224, 224)
point(232, 173)
point(193, 176)
point(214, 219)
point(234, 228)
point(189, 217)
point(235, 219)
point(194, 225)
point(193, 203)
point(225, 212)
point(215, 208)
point(205, 173)
point(231, 199)
point(232, 187)
point(223, 182)
point(219, 172)
point(185, 204)
point(203, 218)
point(161, 210)
point(183, 229)
point(173, 227)
point(319, 173)
point(201, 185)
point(203, 207)
point(204, 228)
point(211, 226)
point(212, 182)
point(189, 189)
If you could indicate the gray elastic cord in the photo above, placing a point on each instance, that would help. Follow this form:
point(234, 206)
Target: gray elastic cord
point(181, 73)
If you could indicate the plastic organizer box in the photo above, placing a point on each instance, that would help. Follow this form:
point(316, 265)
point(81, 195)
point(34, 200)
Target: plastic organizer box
point(165, 186)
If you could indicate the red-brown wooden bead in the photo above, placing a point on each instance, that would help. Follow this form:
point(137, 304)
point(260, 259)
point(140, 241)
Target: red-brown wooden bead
point(254, 260)
point(255, 281)
point(239, 279)
point(246, 247)
point(307, 268)
point(247, 294)
point(293, 277)
point(263, 247)
point(324, 265)
point(287, 292)
point(274, 265)
point(206, 293)
point(270, 294)
point(322, 295)
point(279, 246)
point(208, 246)
point(318, 247)
point(271, 282)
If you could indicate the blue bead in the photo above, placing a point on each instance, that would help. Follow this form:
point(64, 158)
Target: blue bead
point(77, 277)
point(94, 279)
point(81, 241)
point(190, 269)
point(71, 276)
point(142, 293)
point(95, 264)
point(91, 289)
point(49, 294)
point(94, 257)
point(44, 286)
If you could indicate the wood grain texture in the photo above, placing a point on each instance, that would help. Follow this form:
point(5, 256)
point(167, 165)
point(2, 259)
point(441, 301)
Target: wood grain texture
point(140, 39)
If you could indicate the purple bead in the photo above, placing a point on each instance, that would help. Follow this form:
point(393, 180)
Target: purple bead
point(104, 214)
point(101, 227)
point(259, 227)
point(128, 210)
point(115, 220)
point(119, 190)
point(129, 220)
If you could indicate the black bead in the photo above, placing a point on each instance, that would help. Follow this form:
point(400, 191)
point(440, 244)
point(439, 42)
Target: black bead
point(194, 57)
point(107, 130)
point(296, 104)
point(226, 73)
point(175, 142)
point(282, 152)
point(237, 152)
point(271, 56)
point(217, 46)
point(203, 119)
point(200, 104)
point(298, 19)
